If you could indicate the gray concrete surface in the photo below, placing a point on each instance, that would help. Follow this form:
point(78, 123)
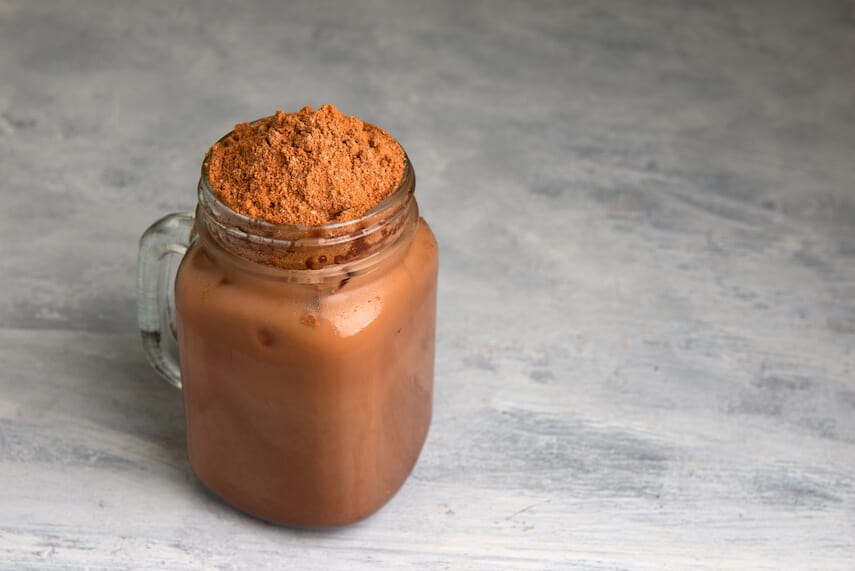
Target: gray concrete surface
point(646, 213)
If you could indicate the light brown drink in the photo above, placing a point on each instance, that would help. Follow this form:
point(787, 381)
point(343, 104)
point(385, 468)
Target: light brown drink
point(308, 392)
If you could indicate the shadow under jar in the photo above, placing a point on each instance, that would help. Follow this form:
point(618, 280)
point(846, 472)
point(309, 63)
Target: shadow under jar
point(306, 354)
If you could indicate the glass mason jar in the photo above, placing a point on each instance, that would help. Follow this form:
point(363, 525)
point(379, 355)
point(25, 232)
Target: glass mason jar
point(306, 352)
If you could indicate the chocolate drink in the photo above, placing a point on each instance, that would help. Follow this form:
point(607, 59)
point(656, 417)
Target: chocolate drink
point(305, 309)
point(307, 403)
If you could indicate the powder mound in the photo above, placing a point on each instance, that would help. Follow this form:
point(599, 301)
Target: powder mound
point(309, 167)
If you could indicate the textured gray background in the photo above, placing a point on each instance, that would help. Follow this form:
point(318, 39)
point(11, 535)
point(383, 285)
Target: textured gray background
point(646, 213)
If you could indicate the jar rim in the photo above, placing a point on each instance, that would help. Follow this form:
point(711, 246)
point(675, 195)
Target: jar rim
point(304, 246)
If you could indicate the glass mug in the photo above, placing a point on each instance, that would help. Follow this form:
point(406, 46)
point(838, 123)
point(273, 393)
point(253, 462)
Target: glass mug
point(306, 352)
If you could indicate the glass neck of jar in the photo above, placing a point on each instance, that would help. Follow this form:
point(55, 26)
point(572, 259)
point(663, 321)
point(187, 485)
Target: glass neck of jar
point(310, 253)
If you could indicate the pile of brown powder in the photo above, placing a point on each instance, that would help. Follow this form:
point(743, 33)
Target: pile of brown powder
point(305, 167)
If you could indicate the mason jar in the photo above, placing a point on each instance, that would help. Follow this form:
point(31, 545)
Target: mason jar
point(305, 353)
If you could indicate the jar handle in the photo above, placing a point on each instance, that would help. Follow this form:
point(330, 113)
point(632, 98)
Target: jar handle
point(156, 291)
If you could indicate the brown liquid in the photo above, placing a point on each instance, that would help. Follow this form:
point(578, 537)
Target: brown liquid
point(307, 404)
